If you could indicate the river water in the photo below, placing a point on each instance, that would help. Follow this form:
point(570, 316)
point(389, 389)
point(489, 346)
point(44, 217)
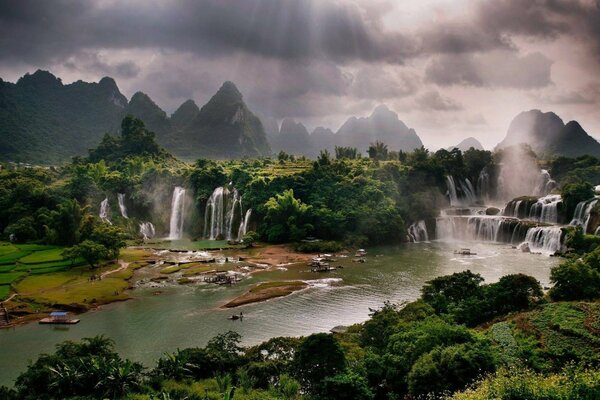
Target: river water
point(149, 325)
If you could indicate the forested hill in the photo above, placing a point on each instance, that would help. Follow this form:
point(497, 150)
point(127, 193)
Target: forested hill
point(45, 121)
point(548, 135)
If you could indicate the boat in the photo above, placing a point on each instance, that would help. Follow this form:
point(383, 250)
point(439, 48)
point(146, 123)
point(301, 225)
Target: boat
point(464, 252)
point(360, 253)
point(59, 318)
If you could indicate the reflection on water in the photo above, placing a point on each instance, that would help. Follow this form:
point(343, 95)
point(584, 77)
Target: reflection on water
point(184, 316)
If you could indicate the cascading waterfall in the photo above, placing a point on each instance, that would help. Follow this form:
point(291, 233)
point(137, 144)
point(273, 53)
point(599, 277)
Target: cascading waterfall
point(467, 195)
point(480, 228)
point(244, 225)
point(417, 232)
point(147, 230)
point(224, 213)
point(583, 213)
point(544, 239)
point(177, 214)
point(122, 207)
point(483, 185)
point(545, 184)
point(546, 209)
point(104, 210)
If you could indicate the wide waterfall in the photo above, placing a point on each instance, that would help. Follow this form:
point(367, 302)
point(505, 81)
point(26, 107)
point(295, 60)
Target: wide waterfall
point(463, 194)
point(244, 225)
point(544, 239)
point(147, 230)
point(583, 213)
point(546, 209)
point(480, 228)
point(223, 216)
point(417, 232)
point(104, 211)
point(177, 214)
point(122, 207)
point(545, 184)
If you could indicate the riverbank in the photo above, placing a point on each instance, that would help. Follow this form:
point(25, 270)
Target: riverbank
point(78, 289)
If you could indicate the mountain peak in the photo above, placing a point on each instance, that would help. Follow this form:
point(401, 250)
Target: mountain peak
point(466, 144)
point(547, 134)
point(40, 77)
point(108, 82)
point(229, 90)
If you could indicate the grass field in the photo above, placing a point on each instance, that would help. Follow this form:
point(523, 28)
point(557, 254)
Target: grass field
point(4, 292)
point(43, 256)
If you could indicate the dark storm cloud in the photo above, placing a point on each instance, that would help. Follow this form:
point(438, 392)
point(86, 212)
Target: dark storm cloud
point(496, 69)
point(86, 61)
point(38, 30)
point(433, 100)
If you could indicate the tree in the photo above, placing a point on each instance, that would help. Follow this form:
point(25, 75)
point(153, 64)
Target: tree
point(349, 153)
point(574, 193)
point(110, 236)
point(378, 151)
point(444, 291)
point(575, 280)
point(346, 386)
point(513, 293)
point(319, 356)
point(447, 369)
point(287, 218)
point(90, 251)
point(22, 231)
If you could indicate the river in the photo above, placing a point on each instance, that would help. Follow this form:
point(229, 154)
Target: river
point(149, 325)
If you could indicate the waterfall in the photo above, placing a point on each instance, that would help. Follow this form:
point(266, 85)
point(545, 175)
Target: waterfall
point(417, 232)
point(147, 230)
point(244, 225)
point(545, 184)
point(582, 213)
point(480, 228)
point(122, 207)
point(483, 185)
point(104, 210)
point(177, 214)
point(467, 192)
point(546, 209)
point(544, 239)
point(223, 216)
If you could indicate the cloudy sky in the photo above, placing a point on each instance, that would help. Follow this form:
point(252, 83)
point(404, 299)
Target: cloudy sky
point(449, 68)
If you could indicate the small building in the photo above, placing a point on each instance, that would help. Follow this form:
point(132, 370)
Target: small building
point(59, 317)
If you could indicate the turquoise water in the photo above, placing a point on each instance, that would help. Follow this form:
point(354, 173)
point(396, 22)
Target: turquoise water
point(183, 316)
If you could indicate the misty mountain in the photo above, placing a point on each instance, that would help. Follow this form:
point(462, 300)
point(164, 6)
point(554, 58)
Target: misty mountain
point(466, 144)
point(293, 138)
point(44, 121)
point(323, 139)
point(223, 128)
point(383, 125)
point(548, 135)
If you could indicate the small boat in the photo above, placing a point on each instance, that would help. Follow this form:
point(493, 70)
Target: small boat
point(359, 260)
point(464, 252)
point(59, 318)
point(360, 253)
point(234, 317)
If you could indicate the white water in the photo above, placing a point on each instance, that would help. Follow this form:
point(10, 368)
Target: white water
point(583, 213)
point(147, 230)
point(122, 207)
point(177, 214)
point(104, 210)
point(223, 216)
point(244, 225)
point(544, 239)
point(546, 209)
point(417, 232)
point(461, 195)
point(472, 227)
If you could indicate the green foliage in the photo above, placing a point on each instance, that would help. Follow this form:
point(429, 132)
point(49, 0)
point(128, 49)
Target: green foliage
point(287, 218)
point(378, 151)
point(88, 368)
point(511, 384)
point(577, 279)
point(320, 355)
point(447, 369)
point(321, 246)
point(90, 251)
point(348, 153)
point(346, 386)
